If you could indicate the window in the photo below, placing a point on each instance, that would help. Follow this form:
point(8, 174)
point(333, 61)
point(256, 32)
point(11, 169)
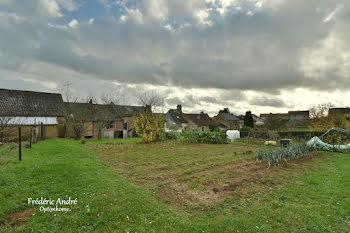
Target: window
point(110, 125)
point(203, 128)
point(125, 125)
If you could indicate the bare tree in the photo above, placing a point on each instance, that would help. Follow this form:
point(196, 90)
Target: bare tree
point(75, 113)
point(321, 110)
point(67, 93)
point(4, 122)
point(151, 99)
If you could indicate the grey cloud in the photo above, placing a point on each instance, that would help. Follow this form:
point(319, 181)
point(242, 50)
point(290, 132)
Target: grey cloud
point(239, 52)
point(269, 102)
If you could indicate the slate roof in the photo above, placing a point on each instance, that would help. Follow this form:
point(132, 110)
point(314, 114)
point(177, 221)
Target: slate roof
point(30, 103)
point(342, 110)
point(299, 112)
point(177, 116)
point(96, 112)
point(127, 111)
point(229, 116)
point(201, 119)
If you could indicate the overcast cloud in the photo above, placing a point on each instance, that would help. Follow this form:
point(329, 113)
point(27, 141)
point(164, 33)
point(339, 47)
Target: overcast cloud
point(259, 55)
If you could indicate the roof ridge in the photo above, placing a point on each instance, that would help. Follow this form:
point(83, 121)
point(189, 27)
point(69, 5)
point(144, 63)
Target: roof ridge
point(42, 92)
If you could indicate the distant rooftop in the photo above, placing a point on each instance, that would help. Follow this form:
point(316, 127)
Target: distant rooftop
point(30, 103)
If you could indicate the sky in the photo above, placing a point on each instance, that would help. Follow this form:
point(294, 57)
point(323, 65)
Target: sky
point(259, 55)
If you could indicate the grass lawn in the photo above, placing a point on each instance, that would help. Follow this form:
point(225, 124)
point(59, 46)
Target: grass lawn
point(125, 186)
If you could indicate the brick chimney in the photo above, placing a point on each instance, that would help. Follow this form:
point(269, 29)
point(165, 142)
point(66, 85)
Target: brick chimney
point(179, 108)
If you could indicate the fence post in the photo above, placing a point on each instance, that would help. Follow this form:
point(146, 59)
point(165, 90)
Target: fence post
point(19, 143)
point(41, 131)
point(30, 137)
point(2, 136)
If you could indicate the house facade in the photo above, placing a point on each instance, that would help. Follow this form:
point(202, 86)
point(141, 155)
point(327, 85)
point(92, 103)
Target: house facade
point(292, 116)
point(344, 111)
point(101, 120)
point(30, 109)
point(299, 116)
point(176, 120)
point(231, 121)
point(201, 121)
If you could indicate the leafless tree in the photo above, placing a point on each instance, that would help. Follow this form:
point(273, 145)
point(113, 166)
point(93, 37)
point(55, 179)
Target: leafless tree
point(111, 97)
point(4, 122)
point(151, 99)
point(67, 93)
point(75, 114)
point(321, 110)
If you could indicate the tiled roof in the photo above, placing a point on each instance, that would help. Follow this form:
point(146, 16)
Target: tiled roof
point(201, 119)
point(30, 103)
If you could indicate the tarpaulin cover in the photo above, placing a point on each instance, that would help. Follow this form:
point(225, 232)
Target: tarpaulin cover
point(317, 143)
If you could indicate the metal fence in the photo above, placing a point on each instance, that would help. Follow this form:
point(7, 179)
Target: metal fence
point(22, 134)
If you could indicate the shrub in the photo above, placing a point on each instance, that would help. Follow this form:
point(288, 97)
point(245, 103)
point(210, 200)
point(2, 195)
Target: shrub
point(83, 141)
point(148, 126)
point(282, 154)
point(246, 129)
point(204, 137)
point(170, 135)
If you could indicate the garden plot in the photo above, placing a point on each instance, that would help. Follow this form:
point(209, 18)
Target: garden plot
point(186, 175)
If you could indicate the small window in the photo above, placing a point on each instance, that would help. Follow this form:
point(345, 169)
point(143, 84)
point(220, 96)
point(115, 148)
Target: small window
point(110, 125)
point(125, 125)
point(203, 128)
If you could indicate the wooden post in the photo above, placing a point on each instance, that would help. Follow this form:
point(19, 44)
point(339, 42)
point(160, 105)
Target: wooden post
point(2, 136)
point(41, 131)
point(30, 137)
point(20, 143)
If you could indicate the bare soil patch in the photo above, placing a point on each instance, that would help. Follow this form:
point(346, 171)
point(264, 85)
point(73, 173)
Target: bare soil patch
point(18, 218)
point(184, 175)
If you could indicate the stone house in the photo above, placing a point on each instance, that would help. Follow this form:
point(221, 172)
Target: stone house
point(30, 109)
point(344, 111)
point(201, 121)
point(175, 120)
point(101, 120)
point(231, 121)
point(299, 116)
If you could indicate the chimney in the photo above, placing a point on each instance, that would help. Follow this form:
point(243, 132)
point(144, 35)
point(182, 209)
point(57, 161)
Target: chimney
point(179, 108)
point(90, 106)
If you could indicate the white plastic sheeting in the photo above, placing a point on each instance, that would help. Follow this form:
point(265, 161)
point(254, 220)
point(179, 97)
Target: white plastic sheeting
point(32, 120)
point(233, 134)
point(317, 143)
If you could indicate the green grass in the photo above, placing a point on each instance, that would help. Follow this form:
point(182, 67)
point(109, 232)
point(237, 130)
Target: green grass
point(316, 201)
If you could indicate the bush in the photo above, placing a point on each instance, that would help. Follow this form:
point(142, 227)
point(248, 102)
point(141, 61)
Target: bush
point(204, 137)
point(83, 141)
point(246, 129)
point(282, 154)
point(170, 135)
point(148, 126)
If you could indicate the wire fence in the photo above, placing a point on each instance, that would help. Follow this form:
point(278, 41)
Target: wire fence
point(22, 134)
